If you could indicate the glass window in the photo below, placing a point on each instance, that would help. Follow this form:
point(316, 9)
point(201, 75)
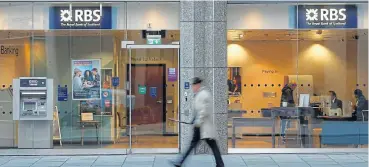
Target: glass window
point(78, 45)
point(334, 58)
point(280, 62)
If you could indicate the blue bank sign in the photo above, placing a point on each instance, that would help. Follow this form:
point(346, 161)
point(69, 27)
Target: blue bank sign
point(80, 18)
point(326, 16)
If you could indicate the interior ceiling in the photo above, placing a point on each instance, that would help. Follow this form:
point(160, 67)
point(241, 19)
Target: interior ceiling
point(232, 35)
point(265, 35)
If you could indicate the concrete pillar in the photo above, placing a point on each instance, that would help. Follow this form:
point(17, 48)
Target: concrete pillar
point(203, 29)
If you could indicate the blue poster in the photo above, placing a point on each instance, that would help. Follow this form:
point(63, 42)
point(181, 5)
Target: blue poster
point(106, 102)
point(115, 81)
point(187, 85)
point(326, 16)
point(80, 18)
point(86, 79)
point(153, 91)
point(62, 93)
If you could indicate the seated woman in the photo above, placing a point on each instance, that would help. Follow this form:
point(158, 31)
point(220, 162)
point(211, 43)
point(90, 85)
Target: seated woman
point(361, 104)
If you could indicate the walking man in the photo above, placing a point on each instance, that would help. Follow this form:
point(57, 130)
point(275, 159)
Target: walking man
point(203, 121)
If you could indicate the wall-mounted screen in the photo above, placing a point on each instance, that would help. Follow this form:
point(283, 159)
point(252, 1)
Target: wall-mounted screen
point(91, 106)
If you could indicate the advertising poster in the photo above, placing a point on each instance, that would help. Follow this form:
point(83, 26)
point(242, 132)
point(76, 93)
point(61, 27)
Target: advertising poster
point(86, 79)
point(115, 81)
point(62, 93)
point(106, 93)
point(234, 81)
point(172, 75)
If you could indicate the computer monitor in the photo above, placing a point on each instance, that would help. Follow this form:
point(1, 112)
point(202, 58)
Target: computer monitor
point(304, 100)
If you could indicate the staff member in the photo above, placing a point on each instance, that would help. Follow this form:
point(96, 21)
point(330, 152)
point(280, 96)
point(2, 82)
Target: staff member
point(287, 94)
point(336, 103)
point(287, 97)
point(203, 121)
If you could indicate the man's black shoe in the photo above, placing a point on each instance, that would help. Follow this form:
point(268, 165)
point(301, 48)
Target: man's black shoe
point(175, 164)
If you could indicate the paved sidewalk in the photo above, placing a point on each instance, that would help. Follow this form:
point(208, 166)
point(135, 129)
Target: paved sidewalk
point(248, 160)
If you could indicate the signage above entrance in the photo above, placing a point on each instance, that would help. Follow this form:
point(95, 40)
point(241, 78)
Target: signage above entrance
point(153, 39)
point(326, 16)
point(80, 18)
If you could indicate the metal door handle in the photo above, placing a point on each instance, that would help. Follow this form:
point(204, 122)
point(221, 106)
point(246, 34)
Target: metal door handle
point(159, 101)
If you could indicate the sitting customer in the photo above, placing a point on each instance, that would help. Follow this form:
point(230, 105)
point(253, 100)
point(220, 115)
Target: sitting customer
point(361, 104)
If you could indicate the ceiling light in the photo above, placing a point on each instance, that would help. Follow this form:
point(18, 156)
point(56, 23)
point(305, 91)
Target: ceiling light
point(241, 36)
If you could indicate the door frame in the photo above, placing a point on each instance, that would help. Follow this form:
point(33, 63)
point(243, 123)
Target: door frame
point(163, 68)
point(129, 45)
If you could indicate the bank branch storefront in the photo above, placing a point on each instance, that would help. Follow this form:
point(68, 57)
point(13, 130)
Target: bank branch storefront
point(293, 62)
point(121, 73)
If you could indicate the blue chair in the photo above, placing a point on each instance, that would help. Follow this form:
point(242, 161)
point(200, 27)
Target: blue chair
point(363, 139)
point(341, 133)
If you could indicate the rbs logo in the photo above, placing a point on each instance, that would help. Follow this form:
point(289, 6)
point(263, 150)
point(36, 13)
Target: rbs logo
point(326, 14)
point(80, 15)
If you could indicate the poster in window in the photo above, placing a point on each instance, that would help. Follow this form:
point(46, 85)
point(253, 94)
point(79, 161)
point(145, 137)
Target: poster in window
point(105, 105)
point(106, 92)
point(86, 79)
point(234, 81)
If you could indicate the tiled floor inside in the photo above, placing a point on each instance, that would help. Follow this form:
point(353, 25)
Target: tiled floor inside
point(237, 160)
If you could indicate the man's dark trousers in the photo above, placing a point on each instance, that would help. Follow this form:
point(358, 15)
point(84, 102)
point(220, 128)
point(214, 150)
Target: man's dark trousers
point(212, 143)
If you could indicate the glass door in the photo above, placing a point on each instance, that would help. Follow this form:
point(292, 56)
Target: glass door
point(152, 82)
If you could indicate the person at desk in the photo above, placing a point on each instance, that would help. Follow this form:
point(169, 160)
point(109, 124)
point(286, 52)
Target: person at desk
point(336, 103)
point(287, 97)
point(287, 94)
point(361, 104)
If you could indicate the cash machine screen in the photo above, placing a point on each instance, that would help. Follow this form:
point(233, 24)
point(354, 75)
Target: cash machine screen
point(29, 106)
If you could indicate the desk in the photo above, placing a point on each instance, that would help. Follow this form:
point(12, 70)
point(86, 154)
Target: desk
point(232, 114)
point(250, 122)
point(296, 113)
point(334, 118)
point(94, 123)
point(276, 112)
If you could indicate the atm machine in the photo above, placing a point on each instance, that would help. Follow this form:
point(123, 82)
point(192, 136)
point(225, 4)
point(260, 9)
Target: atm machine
point(33, 108)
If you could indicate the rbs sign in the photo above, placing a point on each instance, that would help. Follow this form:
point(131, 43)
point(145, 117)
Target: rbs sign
point(80, 18)
point(327, 16)
point(80, 15)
